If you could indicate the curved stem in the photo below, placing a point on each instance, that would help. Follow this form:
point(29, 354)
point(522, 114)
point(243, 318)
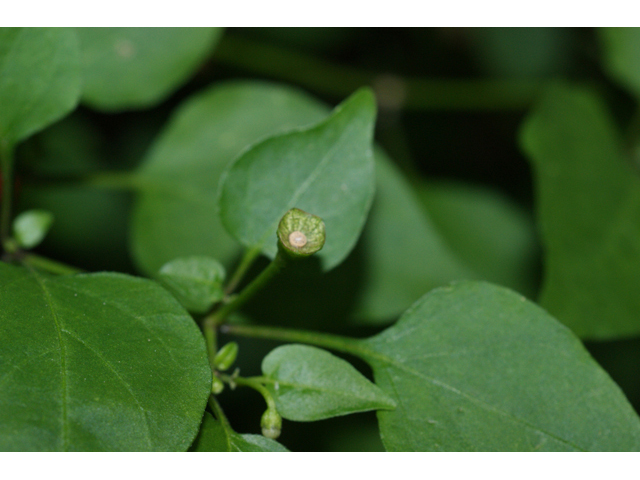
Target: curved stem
point(339, 80)
point(217, 411)
point(217, 317)
point(209, 331)
point(127, 181)
point(247, 260)
point(252, 382)
point(48, 265)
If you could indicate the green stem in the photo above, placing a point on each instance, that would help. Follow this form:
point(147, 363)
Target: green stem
point(252, 382)
point(113, 180)
point(217, 411)
point(217, 317)
point(338, 80)
point(339, 343)
point(209, 330)
point(48, 265)
point(6, 165)
point(246, 262)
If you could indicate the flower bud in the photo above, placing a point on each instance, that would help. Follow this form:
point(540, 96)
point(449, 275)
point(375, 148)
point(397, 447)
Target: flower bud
point(226, 356)
point(300, 233)
point(217, 386)
point(271, 423)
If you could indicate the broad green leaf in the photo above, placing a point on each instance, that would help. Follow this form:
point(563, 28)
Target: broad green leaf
point(176, 211)
point(620, 56)
point(310, 384)
point(215, 436)
point(326, 170)
point(588, 196)
point(486, 231)
point(30, 227)
point(39, 79)
point(138, 67)
point(477, 367)
point(405, 254)
point(97, 362)
point(195, 281)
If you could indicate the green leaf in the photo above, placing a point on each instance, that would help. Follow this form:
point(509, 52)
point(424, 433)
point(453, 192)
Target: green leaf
point(30, 227)
point(326, 170)
point(588, 196)
point(195, 281)
point(97, 362)
point(490, 234)
point(138, 67)
point(405, 254)
point(39, 79)
point(477, 367)
point(310, 384)
point(620, 56)
point(175, 213)
point(215, 436)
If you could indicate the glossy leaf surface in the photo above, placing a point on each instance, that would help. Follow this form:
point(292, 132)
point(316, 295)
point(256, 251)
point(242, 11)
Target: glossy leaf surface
point(326, 170)
point(176, 210)
point(310, 384)
point(215, 436)
point(588, 196)
point(195, 281)
point(97, 362)
point(137, 67)
point(477, 367)
point(39, 79)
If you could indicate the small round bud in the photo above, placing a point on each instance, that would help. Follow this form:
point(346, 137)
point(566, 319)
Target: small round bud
point(217, 386)
point(300, 233)
point(226, 356)
point(271, 423)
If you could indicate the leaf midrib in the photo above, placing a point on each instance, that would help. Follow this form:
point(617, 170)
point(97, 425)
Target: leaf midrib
point(306, 184)
point(481, 403)
point(63, 359)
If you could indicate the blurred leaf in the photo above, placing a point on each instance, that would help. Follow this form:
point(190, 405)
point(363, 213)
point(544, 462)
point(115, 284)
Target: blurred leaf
point(30, 227)
point(50, 153)
point(486, 231)
point(325, 170)
point(522, 52)
point(476, 367)
point(39, 79)
point(621, 59)
point(311, 384)
point(215, 436)
point(108, 362)
point(588, 207)
point(137, 67)
point(89, 228)
point(405, 254)
point(195, 281)
point(176, 211)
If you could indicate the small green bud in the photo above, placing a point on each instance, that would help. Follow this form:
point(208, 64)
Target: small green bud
point(217, 386)
point(271, 423)
point(30, 227)
point(226, 356)
point(300, 233)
